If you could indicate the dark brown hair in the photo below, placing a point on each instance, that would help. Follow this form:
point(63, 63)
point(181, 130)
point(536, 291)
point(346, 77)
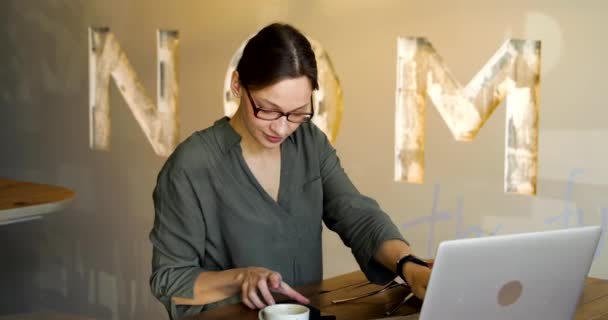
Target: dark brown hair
point(277, 52)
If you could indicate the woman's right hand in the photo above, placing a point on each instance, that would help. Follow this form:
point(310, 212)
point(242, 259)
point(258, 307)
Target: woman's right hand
point(257, 284)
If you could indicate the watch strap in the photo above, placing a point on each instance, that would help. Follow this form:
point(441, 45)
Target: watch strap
point(405, 259)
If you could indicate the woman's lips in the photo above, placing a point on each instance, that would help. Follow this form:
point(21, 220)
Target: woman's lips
point(273, 139)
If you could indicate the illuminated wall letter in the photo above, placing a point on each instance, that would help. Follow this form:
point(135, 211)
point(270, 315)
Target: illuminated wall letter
point(327, 100)
point(513, 72)
point(159, 123)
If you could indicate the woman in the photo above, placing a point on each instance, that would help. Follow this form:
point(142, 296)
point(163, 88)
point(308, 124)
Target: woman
point(240, 205)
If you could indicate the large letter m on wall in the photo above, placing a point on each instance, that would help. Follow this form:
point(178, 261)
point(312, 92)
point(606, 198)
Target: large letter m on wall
point(512, 73)
point(159, 123)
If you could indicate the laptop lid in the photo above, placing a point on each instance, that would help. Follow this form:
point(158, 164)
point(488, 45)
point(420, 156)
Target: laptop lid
point(537, 275)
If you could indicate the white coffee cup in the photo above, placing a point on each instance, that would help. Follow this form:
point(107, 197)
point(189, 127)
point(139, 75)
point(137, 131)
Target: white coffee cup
point(285, 311)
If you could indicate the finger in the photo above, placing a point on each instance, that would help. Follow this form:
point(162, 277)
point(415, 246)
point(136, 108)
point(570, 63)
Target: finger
point(422, 293)
point(285, 289)
point(275, 279)
point(426, 277)
point(419, 291)
point(244, 296)
point(263, 288)
point(252, 294)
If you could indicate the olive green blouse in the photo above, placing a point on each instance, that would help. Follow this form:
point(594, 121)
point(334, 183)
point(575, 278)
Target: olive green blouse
point(211, 214)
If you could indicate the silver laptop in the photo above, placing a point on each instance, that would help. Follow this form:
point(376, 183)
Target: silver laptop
point(537, 275)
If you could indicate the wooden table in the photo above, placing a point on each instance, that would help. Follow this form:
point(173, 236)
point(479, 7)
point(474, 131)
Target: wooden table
point(593, 304)
point(23, 201)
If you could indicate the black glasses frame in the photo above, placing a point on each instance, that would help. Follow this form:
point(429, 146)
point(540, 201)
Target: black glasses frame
point(280, 114)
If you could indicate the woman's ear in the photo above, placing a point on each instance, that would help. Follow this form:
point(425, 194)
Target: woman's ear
point(235, 84)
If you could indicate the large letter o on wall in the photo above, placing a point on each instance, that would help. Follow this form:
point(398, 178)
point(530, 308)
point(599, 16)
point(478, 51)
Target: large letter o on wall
point(327, 100)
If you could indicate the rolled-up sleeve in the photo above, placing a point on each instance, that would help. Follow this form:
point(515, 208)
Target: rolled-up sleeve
point(178, 239)
point(358, 219)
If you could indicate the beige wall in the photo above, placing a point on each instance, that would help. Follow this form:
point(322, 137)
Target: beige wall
point(93, 258)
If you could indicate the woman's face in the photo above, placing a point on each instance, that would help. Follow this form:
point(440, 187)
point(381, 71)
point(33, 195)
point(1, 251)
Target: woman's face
point(286, 96)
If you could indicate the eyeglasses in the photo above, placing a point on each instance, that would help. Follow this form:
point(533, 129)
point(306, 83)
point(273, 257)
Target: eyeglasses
point(295, 117)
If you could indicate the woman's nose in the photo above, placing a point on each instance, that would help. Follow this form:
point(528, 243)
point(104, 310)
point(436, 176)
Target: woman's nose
point(280, 126)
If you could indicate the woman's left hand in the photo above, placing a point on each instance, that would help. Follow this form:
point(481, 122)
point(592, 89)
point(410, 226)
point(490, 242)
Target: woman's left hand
point(417, 277)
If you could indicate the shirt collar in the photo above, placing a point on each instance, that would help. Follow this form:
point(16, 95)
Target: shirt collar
point(225, 135)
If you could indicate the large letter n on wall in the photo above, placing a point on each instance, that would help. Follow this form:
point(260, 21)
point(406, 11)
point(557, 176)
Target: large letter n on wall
point(513, 72)
point(106, 58)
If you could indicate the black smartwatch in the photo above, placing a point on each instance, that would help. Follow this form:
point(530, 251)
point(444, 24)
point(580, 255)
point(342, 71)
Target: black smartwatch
point(405, 259)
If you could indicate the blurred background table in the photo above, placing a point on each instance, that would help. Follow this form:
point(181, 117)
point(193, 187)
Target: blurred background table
point(23, 201)
point(45, 316)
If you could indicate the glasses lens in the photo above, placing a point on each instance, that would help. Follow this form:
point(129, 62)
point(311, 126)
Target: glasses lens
point(268, 115)
point(299, 117)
